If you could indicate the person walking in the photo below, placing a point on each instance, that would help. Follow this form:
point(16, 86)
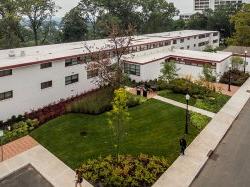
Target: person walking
point(79, 178)
point(183, 145)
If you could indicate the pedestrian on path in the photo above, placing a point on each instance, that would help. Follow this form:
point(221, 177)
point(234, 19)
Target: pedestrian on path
point(183, 145)
point(79, 178)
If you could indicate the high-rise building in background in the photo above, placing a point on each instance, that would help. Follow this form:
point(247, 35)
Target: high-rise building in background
point(200, 5)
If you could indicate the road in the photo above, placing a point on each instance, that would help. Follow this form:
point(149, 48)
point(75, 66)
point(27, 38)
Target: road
point(229, 166)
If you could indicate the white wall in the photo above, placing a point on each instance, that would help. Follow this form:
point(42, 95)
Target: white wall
point(26, 85)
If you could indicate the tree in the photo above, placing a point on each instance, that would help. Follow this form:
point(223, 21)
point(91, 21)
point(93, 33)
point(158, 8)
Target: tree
point(118, 117)
point(168, 71)
point(37, 12)
point(208, 73)
point(10, 27)
point(209, 48)
point(241, 20)
point(237, 62)
point(197, 21)
point(109, 65)
point(74, 27)
point(91, 9)
point(157, 15)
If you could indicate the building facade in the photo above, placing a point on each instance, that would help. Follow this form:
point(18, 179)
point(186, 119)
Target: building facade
point(34, 77)
point(200, 5)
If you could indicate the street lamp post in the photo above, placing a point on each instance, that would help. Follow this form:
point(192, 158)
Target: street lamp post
point(245, 63)
point(187, 114)
point(229, 77)
point(1, 137)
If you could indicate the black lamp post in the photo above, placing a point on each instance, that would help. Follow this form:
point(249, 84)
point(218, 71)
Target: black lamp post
point(245, 63)
point(229, 77)
point(187, 114)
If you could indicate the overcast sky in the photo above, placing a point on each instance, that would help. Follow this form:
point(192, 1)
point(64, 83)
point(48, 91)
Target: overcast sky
point(185, 6)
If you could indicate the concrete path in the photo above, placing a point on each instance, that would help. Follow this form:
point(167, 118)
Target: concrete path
point(184, 170)
point(229, 165)
point(49, 166)
point(18, 146)
point(181, 105)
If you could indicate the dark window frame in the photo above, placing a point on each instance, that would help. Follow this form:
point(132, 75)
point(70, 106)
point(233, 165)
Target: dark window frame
point(7, 72)
point(46, 65)
point(6, 95)
point(71, 79)
point(47, 84)
point(132, 69)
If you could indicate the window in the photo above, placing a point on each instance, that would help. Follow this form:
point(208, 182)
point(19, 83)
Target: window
point(5, 72)
point(182, 40)
point(194, 37)
point(6, 95)
point(203, 43)
point(207, 35)
point(71, 62)
point(174, 41)
point(182, 48)
point(215, 41)
point(92, 73)
point(132, 69)
point(215, 34)
point(194, 45)
point(71, 79)
point(202, 36)
point(188, 47)
point(46, 65)
point(167, 43)
point(47, 84)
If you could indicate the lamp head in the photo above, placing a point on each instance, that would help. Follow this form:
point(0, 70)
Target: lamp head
point(246, 52)
point(187, 97)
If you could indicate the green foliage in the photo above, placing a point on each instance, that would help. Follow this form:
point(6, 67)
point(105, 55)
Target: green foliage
point(168, 71)
point(208, 73)
point(19, 130)
point(198, 120)
point(74, 26)
point(237, 62)
point(238, 78)
point(142, 170)
point(118, 117)
point(100, 101)
point(241, 20)
point(209, 48)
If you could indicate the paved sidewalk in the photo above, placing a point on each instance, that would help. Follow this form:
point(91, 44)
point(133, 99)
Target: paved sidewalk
point(181, 105)
point(18, 146)
point(184, 170)
point(49, 166)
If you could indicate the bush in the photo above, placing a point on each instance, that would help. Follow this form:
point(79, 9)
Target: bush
point(129, 172)
point(198, 120)
point(99, 102)
point(19, 130)
point(95, 103)
point(238, 78)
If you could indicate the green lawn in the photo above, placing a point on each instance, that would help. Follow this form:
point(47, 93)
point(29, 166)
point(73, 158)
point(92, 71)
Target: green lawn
point(209, 104)
point(154, 129)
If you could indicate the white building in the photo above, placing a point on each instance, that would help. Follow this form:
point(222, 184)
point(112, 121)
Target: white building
point(33, 77)
point(200, 5)
point(145, 66)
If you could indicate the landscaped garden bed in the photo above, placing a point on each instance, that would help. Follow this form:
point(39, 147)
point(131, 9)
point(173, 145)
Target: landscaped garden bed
point(154, 129)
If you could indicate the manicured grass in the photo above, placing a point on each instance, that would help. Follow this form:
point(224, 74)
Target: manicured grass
point(154, 129)
point(210, 104)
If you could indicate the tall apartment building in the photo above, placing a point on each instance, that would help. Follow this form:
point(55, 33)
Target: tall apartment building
point(34, 77)
point(200, 5)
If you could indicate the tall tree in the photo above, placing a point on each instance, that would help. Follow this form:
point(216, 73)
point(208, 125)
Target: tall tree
point(197, 21)
point(157, 15)
point(118, 117)
point(10, 27)
point(74, 27)
point(241, 20)
point(37, 12)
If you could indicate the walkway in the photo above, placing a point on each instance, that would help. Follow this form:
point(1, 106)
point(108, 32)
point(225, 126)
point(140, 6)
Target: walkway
point(16, 147)
point(223, 88)
point(184, 170)
point(181, 105)
point(229, 165)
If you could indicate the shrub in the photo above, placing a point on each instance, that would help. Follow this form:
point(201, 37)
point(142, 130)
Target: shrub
point(19, 130)
point(142, 170)
point(238, 78)
point(198, 120)
point(95, 103)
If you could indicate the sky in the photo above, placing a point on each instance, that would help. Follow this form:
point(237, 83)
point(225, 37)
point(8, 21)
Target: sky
point(66, 5)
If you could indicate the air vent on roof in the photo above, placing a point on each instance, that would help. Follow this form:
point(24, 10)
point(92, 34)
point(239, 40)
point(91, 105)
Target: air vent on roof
point(22, 53)
point(12, 53)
